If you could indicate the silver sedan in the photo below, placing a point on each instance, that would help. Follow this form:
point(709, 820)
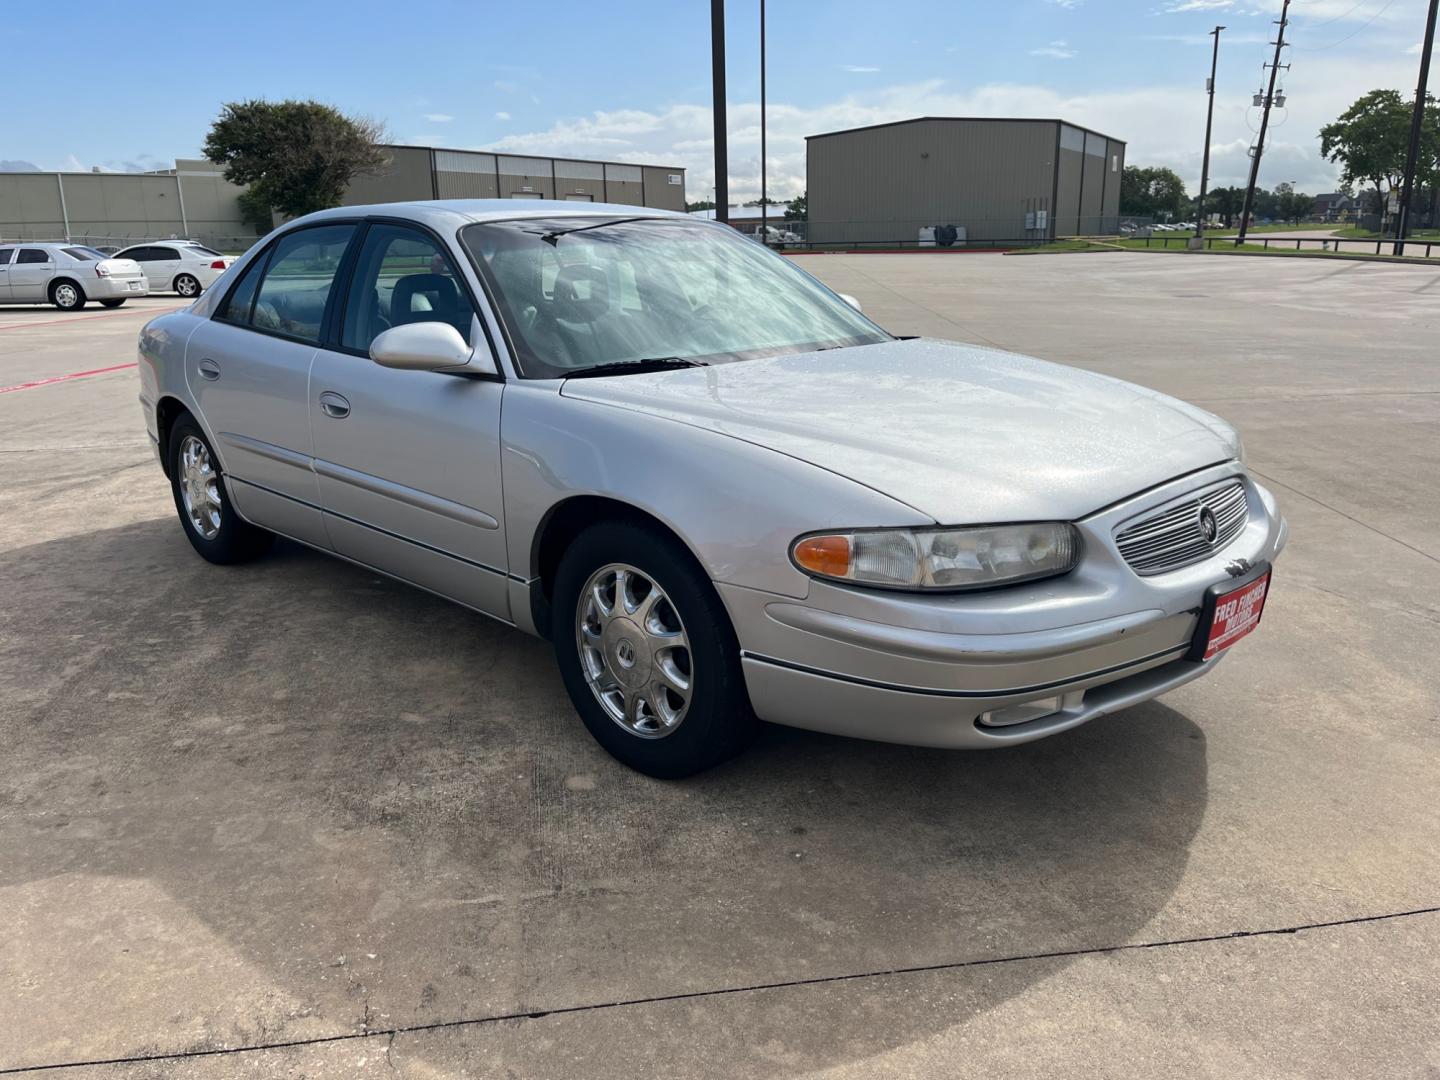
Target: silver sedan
point(721, 492)
point(67, 275)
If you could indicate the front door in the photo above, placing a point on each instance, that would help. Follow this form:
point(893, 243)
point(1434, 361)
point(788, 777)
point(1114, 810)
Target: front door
point(248, 369)
point(30, 274)
point(409, 461)
point(161, 266)
point(6, 255)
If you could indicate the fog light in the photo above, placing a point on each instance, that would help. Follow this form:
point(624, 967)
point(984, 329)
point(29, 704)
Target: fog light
point(1021, 714)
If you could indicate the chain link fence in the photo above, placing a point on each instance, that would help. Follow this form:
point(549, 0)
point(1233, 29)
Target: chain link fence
point(225, 243)
point(973, 233)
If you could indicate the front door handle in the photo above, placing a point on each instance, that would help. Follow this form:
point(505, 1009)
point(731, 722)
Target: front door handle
point(209, 369)
point(334, 405)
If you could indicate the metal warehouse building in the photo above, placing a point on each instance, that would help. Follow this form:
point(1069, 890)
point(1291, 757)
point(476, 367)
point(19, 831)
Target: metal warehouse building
point(423, 172)
point(195, 200)
point(994, 179)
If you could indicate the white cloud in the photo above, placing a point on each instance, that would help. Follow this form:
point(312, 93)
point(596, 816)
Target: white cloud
point(438, 117)
point(1414, 50)
point(1060, 50)
point(1200, 5)
point(502, 116)
point(1068, 5)
point(858, 70)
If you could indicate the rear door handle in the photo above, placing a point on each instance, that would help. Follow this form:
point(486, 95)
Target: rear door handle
point(209, 369)
point(334, 405)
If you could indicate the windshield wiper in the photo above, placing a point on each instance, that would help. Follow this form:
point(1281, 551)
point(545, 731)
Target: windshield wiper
point(636, 367)
point(554, 234)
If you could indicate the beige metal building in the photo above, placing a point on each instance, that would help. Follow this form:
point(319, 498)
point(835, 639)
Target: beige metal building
point(994, 179)
point(195, 200)
point(423, 172)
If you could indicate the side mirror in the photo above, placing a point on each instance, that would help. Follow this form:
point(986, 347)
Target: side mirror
point(429, 346)
point(851, 301)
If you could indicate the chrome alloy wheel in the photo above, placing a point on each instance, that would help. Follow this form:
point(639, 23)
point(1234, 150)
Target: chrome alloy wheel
point(186, 285)
point(200, 487)
point(66, 295)
point(634, 651)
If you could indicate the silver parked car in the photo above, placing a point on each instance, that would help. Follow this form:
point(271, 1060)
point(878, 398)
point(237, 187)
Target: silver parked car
point(717, 488)
point(66, 275)
point(180, 266)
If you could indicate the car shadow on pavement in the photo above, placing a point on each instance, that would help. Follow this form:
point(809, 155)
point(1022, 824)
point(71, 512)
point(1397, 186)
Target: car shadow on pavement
point(293, 799)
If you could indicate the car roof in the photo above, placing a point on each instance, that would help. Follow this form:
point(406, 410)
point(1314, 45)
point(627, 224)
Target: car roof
point(441, 213)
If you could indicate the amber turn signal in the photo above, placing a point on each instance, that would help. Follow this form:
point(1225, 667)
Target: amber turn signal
point(828, 555)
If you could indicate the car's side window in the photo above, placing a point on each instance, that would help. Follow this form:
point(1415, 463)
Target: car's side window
point(402, 276)
point(5, 254)
point(33, 255)
point(240, 302)
point(160, 253)
point(292, 296)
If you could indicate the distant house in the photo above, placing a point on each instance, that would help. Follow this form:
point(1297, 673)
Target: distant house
point(1332, 207)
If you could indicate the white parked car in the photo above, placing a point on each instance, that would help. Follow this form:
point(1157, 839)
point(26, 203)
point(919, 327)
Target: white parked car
point(180, 266)
point(66, 275)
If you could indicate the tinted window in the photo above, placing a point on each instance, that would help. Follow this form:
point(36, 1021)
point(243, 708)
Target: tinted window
point(33, 255)
point(164, 253)
point(237, 305)
point(5, 255)
point(83, 254)
point(402, 276)
point(202, 250)
point(291, 299)
point(139, 254)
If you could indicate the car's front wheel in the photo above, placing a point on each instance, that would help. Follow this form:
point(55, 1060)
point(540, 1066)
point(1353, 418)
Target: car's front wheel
point(647, 652)
point(210, 522)
point(187, 286)
point(67, 296)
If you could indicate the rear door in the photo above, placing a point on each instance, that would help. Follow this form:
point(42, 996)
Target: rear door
point(408, 462)
point(30, 274)
point(248, 369)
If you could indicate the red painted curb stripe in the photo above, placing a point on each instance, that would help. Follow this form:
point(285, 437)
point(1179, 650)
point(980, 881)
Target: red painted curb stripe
point(63, 378)
point(90, 318)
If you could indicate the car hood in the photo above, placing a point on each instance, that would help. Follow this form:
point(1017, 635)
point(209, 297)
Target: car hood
point(960, 433)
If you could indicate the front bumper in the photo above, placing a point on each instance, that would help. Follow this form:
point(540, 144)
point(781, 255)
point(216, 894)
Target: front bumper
point(935, 670)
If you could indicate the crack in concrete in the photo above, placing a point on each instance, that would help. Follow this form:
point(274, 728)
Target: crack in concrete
point(1342, 513)
point(390, 1034)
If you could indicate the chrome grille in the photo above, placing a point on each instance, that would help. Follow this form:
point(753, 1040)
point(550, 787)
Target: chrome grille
point(1172, 538)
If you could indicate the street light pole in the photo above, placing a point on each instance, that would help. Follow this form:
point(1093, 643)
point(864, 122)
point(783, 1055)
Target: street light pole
point(764, 206)
point(1209, 120)
point(1264, 125)
point(1407, 187)
point(717, 72)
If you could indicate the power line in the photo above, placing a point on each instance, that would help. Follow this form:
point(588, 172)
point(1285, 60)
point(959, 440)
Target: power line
point(1321, 48)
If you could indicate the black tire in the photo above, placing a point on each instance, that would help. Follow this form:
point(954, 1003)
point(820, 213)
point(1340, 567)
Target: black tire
point(111, 303)
point(67, 295)
point(719, 721)
point(235, 540)
point(187, 285)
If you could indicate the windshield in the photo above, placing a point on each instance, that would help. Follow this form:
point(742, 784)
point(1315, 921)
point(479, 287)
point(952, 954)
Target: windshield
point(577, 292)
point(84, 254)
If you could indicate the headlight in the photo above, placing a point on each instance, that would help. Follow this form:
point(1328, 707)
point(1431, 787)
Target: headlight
point(955, 559)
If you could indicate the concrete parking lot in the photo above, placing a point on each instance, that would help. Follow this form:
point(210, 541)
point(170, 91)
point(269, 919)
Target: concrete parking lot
point(292, 819)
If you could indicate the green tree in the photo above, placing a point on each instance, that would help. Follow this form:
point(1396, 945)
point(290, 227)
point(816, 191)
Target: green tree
point(295, 156)
point(703, 204)
point(1151, 192)
point(256, 212)
point(798, 208)
point(1370, 140)
point(767, 201)
point(1225, 201)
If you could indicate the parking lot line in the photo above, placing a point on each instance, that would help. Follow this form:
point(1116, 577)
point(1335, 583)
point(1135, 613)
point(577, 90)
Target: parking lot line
point(64, 378)
point(91, 318)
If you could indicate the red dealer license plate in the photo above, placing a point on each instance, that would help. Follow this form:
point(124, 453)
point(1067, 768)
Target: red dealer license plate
point(1229, 615)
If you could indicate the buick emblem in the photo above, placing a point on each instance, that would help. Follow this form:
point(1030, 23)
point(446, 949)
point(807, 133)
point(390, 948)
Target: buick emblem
point(1209, 527)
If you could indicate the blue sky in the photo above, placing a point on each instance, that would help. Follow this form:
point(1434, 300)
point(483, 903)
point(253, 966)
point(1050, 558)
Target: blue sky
point(631, 81)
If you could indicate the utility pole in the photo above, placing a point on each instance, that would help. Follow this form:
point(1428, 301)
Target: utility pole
point(1209, 119)
point(1264, 125)
point(764, 206)
point(717, 72)
point(1407, 187)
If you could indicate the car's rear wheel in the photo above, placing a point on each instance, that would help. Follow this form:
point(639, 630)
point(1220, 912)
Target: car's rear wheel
point(111, 303)
point(210, 522)
point(67, 296)
point(647, 652)
point(187, 285)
